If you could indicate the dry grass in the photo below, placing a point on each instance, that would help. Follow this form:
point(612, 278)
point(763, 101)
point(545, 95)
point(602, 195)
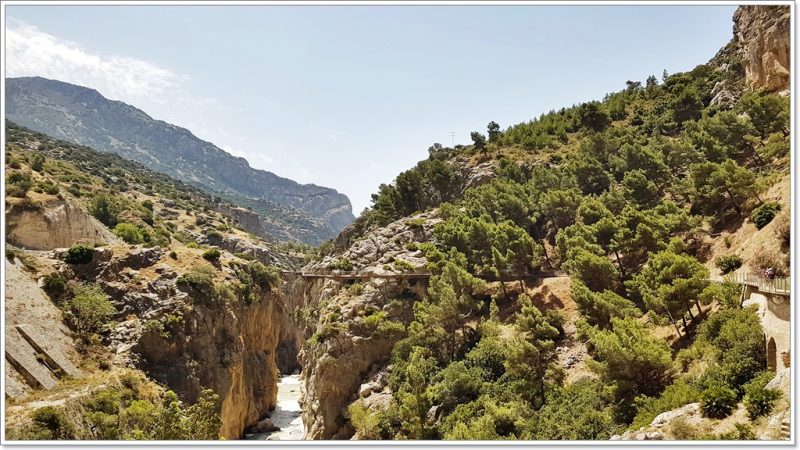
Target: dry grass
point(747, 240)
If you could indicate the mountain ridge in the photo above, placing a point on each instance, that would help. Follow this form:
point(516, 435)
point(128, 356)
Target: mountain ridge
point(83, 115)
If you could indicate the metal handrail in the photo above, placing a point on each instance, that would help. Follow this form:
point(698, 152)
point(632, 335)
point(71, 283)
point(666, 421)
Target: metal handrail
point(778, 285)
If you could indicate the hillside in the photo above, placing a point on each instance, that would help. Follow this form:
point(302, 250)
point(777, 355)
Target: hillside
point(81, 115)
point(127, 284)
point(638, 198)
point(577, 276)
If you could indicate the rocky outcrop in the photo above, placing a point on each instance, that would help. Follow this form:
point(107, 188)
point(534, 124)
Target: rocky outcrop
point(54, 224)
point(292, 225)
point(238, 245)
point(640, 435)
point(351, 327)
point(762, 33)
point(190, 340)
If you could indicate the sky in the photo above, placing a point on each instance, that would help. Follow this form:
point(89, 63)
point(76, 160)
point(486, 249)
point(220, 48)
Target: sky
point(349, 96)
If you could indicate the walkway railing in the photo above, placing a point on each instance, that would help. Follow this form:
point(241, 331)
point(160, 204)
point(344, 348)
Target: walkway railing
point(359, 275)
point(777, 285)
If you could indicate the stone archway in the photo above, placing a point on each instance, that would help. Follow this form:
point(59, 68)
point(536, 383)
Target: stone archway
point(772, 361)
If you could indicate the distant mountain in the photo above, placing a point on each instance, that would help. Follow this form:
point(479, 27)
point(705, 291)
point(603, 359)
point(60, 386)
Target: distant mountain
point(82, 115)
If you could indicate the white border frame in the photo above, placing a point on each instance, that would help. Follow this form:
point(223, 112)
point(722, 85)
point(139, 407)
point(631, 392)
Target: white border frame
point(422, 444)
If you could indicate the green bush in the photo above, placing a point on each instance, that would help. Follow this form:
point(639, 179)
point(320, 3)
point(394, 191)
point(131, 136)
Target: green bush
point(129, 233)
point(199, 282)
point(173, 255)
point(48, 187)
point(764, 214)
point(54, 284)
point(79, 254)
point(728, 263)
point(211, 254)
point(741, 432)
point(758, 399)
point(90, 308)
point(403, 266)
point(717, 400)
point(18, 184)
point(674, 396)
point(343, 264)
point(52, 420)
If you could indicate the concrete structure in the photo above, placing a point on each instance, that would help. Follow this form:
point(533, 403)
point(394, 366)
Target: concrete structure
point(772, 297)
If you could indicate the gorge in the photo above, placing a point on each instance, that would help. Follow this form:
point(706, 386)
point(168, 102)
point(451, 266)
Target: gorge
point(562, 279)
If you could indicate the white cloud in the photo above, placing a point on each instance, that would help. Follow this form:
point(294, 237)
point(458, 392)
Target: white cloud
point(32, 52)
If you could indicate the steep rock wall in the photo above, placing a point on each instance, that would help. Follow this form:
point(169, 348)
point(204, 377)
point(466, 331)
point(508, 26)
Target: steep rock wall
point(191, 340)
point(351, 326)
point(56, 224)
point(230, 349)
point(763, 35)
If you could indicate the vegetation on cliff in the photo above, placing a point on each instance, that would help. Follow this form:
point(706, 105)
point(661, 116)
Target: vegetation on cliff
point(620, 194)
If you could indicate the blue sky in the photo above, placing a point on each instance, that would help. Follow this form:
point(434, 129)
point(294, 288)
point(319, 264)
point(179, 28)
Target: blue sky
point(349, 96)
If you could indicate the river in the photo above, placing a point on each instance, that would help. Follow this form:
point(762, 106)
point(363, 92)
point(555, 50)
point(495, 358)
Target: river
point(286, 415)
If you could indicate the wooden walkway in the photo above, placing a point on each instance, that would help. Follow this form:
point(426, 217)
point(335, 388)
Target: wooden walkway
point(357, 275)
point(777, 285)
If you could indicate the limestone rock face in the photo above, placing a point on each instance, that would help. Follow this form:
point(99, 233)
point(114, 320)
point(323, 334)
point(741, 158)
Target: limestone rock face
point(345, 351)
point(228, 345)
point(762, 34)
point(57, 224)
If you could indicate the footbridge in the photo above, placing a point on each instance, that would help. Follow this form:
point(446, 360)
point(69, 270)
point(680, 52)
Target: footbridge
point(342, 275)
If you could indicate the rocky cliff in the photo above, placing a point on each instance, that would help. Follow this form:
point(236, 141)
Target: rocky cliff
point(53, 224)
point(81, 115)
point(351, 326)
point(763, 35)
point(188, 338)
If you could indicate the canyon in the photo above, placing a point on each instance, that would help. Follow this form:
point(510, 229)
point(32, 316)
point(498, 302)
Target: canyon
point(291, 342)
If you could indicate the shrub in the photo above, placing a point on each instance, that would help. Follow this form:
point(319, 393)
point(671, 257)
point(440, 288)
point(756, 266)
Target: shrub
point(674, 396)
point(53, 420)
point(741, 432)
point(682, 430)
point(90, 308)
point(728, 263)
point(18, 184)
point(54, 284)
point(758, 399)
point(403, 266)
point(79, 254)
point(48, 187)
point(341, 264)
point(173, 255)
point(764, 214)
point(10, 254)
point(763, 259)
point(717, 400)
point(783, 229)
point(74, 189)
point(212, 255)
point(129, 233)
point(198, 282)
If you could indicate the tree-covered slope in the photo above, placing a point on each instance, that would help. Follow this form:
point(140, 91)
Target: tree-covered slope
point(627, 195)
